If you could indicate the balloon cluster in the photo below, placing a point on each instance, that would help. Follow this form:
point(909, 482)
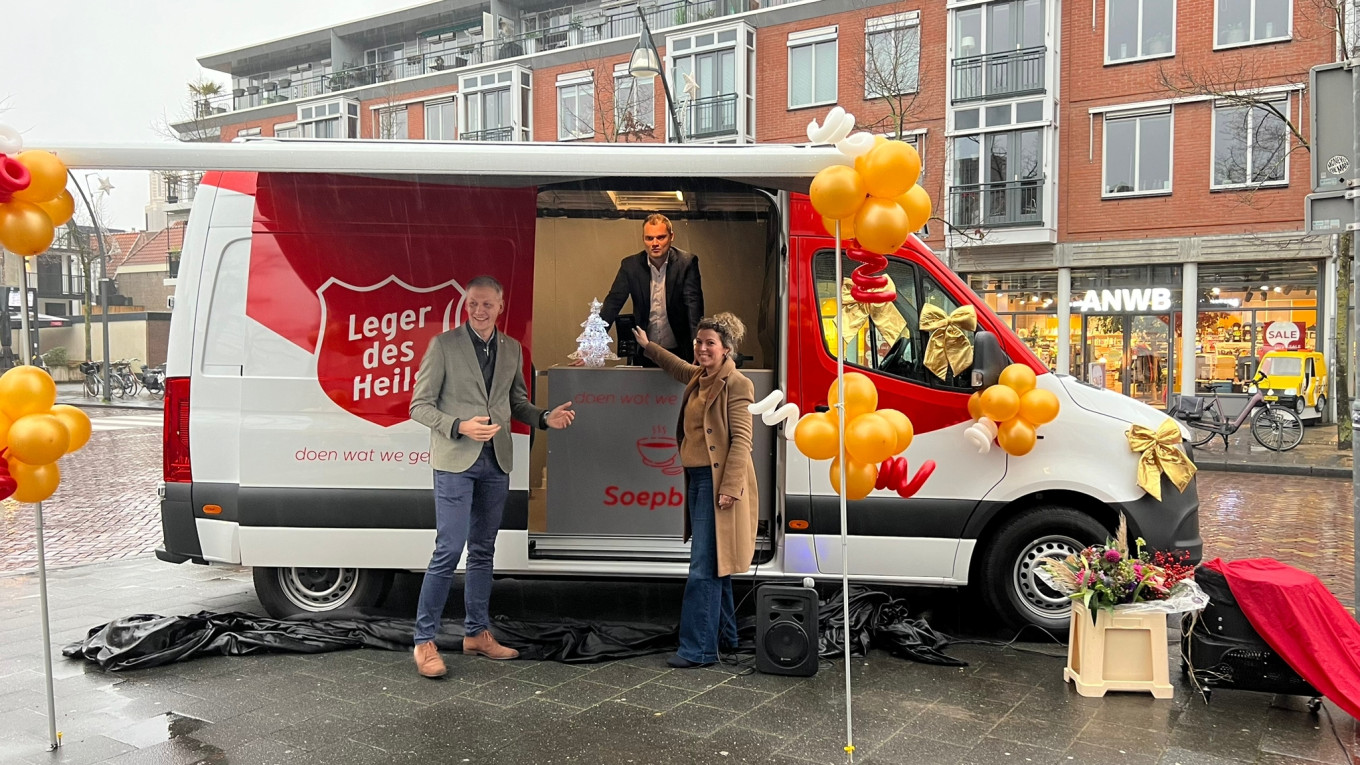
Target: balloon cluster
point(1010, 412)
point(33, 196)
point(872, 437)
point(876, 200)
point(35, 432)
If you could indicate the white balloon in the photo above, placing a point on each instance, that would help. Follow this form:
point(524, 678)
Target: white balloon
point(772, 414)
point(980, 434)
point(834, 129)
point(11, 142)
point(856, 145)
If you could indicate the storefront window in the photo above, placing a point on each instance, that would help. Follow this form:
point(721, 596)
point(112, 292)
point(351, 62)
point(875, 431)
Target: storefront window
point(1247, 310)
point(1026, 302)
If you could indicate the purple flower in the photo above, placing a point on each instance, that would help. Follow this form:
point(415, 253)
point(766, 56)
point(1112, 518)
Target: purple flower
point(1112, 556)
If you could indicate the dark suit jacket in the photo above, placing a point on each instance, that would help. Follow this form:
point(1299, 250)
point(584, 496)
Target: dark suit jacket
point(684, 295)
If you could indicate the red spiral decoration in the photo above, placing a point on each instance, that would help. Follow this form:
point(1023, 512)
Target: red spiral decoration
point(7, 483)
point(892, 474)
point(869, 286)
point(13, 177)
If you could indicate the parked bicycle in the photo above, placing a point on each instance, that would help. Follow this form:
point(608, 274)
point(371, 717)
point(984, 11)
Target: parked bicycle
point(153, 379)
point(123, 369)
point(94, 380)
point(1275, 427)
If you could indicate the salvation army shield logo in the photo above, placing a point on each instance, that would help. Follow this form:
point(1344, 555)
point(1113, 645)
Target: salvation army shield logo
point(372, 340)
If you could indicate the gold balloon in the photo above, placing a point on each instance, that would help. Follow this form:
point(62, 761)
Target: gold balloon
point(26, 390)
point(847, 227)
point(837, 192)
point(38, 439)
point(77, 424)
point(870, 439)
point(49, 176)
point(24, 228)
point(975, 405)
point(879, 140)
point(1016, 437)
point(60, 208)
point(902, 424)
point(817, 436)
point(916, 204)
point(5, 424)
point(1018, 377)
point(1000, 403)
point(36, 482)
point(891, 168)
point(881, 226)
point(861, 397)
point(859, 478)
point(1039, 406)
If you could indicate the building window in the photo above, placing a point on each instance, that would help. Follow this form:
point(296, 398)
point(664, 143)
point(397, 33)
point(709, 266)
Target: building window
point(1139, 29)
point(333, 119)
point(1251, 143)
point(490, 109)
point(812, 67)
point(999, 50)
point(441, 121)
point(247, 132)
point(390, 124)
point(634, 103)
point(1247, 22)
point(704, 81)
point(998, 179)
point(1138, 154)
point(892, 55)
point(286, 130)
point(575, 106)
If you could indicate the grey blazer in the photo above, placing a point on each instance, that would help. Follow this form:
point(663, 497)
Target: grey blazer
point(450, 387)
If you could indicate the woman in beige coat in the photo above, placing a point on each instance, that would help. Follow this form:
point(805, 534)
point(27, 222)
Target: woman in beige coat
point(721, 501)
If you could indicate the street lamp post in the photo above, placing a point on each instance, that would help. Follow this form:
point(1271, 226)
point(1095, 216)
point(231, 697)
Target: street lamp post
point(646, 64)
point(104, 187)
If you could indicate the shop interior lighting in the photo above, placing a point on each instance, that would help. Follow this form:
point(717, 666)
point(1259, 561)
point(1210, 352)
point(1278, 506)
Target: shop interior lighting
point(1279, 289)
point(1215, 290)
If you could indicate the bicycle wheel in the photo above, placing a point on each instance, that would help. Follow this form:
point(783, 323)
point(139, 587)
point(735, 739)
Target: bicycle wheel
point(91, 386)
point(133, 386)
point(1277, 428)
point(116, 387)
point(1205, 429)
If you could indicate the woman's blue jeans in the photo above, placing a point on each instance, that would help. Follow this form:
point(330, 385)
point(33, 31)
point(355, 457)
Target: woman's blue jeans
point(707, 613)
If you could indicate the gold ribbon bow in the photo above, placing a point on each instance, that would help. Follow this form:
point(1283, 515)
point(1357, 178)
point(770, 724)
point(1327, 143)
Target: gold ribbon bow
point(1161, 454)
point(887, 320)
point(949, 350)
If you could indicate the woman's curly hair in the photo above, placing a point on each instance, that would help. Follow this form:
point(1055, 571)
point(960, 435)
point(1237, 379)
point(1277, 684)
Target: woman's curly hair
point(727, 325)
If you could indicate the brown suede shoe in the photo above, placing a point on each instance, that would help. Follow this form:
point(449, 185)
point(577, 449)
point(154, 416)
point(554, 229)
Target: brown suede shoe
point(484, 644)
point(428, 663)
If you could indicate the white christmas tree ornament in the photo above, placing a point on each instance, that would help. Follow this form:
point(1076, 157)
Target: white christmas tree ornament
point(592, 347)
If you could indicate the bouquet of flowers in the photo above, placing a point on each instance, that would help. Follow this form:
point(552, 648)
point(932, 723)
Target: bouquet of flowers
point(1110, 576)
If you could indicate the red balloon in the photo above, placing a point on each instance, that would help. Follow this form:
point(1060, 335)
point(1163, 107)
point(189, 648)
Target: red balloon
point(14, 176)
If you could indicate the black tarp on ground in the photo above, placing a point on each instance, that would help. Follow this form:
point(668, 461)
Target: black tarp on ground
point(144, 640)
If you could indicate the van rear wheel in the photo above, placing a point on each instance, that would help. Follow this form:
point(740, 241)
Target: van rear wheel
point(290, 591)
point(1008, 577)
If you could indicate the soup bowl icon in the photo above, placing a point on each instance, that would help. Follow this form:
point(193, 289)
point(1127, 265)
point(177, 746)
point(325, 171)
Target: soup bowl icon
point(660, 452)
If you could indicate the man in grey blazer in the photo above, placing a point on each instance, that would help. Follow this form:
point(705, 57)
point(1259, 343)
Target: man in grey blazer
point(470, 384)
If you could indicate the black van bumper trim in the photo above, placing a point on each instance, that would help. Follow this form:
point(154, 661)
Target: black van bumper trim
point(178, 530)
point(352, 508)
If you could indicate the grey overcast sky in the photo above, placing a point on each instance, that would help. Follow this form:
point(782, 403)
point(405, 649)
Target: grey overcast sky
point(110, 70)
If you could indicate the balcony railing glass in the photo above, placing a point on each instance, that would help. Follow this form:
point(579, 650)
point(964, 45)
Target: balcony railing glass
point(490, 134)
point(999, 75)
point(997, 205)
point(710, 117)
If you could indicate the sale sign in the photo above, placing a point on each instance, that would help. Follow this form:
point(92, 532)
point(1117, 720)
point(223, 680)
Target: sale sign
point(1285, 335)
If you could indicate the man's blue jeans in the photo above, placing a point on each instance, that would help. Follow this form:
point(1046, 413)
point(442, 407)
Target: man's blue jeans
point(707, 612)
point(467, 511)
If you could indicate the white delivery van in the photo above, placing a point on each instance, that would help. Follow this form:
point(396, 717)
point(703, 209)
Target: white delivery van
point(315, 273)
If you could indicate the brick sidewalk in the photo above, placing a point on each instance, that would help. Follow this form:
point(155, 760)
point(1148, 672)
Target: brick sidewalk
point(1315, 455)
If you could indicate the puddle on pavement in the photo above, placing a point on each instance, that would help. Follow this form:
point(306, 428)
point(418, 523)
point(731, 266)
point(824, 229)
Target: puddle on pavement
point(161, 728)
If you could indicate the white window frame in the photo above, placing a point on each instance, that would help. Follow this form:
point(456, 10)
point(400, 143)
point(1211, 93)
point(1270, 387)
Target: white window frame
point(575, 81)
point(1137, 147)
point(514, 78)
point(291, 127)
point(811, 38)
point(436, 104)
point(893, 23)
point(1288, 99)
point(347, 114)
point(249, 132)
point(384, 112)
point(647, 120)
point(1251, 27)
point(1140, 55)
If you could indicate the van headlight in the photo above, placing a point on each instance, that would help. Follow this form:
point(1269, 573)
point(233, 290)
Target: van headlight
point(1291, 391)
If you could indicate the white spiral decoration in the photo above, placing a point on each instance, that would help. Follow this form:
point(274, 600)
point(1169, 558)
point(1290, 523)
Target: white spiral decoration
point(834, 129)
point(11, 142)
point(772, 414)
point(980, 434)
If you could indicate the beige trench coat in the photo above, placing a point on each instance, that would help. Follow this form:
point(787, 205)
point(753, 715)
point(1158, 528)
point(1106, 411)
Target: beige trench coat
point(727, 431)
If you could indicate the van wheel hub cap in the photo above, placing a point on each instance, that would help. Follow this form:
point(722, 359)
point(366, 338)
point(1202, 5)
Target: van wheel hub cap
point(1035, 595)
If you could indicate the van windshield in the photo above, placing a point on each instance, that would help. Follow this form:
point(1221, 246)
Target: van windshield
point(1282, 366)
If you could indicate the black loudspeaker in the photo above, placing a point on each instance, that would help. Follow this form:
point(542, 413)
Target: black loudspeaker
point(786, 631)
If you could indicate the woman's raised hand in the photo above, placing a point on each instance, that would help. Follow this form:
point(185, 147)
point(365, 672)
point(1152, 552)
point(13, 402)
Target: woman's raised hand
point(641, 337)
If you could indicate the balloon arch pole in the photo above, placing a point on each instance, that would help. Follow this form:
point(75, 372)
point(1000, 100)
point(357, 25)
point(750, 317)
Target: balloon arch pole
point(841, 460)
point(53, 739)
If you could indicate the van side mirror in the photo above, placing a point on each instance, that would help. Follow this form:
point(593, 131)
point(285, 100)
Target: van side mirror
point(988, 360)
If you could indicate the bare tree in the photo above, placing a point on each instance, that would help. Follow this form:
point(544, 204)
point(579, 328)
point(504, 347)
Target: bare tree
point(892, 58)
point(616, 110)
point(82, 248)
point(203, 101)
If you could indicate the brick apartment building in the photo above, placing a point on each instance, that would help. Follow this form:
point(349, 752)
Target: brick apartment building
point(1126, 176)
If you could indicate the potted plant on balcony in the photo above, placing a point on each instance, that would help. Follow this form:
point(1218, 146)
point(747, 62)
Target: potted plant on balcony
point(1120, 601)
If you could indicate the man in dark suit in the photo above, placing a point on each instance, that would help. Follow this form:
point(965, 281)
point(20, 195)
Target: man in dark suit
point(469, 386)
point(663, 283)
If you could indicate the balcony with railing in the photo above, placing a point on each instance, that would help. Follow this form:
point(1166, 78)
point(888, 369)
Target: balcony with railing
point(997, 205)
point(498, 134)
point(709, 117)
point(588, 25)
point(999, 75)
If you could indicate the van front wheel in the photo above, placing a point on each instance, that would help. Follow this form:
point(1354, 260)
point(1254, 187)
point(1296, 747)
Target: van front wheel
point(1008, 576)
point(290, 591)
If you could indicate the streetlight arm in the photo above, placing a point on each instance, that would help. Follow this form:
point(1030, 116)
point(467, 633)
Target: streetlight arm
point(665, 78)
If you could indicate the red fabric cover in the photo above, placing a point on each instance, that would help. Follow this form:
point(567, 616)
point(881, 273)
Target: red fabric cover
point(1301, 621)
